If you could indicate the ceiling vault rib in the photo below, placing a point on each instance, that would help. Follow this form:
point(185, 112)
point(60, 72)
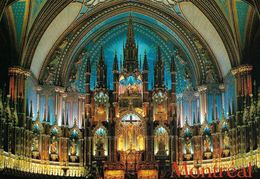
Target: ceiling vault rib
point(214, 14)
point(49, 11)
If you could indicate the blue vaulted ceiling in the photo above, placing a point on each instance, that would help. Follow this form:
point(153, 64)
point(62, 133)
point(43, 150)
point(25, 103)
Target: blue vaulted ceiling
point(148, 37)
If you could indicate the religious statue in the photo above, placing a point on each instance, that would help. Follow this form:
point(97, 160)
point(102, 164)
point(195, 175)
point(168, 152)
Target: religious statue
point(73, 148)
point(35, 146)
point(120, 143)
point(207, 144)
point(210, 76)
point(100, 151)
point(161, 148)
point(54, 145)
point(140, 142)
point(188, 147)
point(226, 141)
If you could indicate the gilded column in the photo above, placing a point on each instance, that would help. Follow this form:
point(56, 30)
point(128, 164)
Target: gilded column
point(17, 78)
point(243, 81)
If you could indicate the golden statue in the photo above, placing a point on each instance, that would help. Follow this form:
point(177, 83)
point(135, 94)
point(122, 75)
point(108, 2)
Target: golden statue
point(130, 132)
point(162, 148)
point(120, 143)
point(35, 144)
point(188, 147)
point(226, 140)
point(73, 148)
point(207, 144)
point(54, 145)
point(140, 142)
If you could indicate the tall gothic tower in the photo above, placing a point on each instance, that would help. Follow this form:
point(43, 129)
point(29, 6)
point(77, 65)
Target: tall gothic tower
point(130, 49)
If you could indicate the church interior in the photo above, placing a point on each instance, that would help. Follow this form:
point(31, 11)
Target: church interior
point(137, 89)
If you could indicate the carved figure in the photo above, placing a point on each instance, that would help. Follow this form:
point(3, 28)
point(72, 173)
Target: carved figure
point(73, 148)
point(54, 145)
point(207, 144)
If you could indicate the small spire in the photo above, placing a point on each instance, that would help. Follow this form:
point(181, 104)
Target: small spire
point(223, 115)
point(75, 123)
point(67, 118)
point(194, 118)
point(186, 121)
point(115, 68)
point(55, 120)
point(38, 116)
point(31, 109)
point(198, 118)
point(145, 66)
point(27, 112)
point(62, 118)
point(44, 114)
point(229, 109)
point(206, 118)
point(213, 116)
point(48, 117)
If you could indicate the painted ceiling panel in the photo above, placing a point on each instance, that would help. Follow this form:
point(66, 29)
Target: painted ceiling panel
point(242, 11)
point(18, 10)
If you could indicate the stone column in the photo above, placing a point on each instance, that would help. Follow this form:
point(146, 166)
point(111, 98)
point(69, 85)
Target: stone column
point(203, 102)
point(180, 110)
point(58, 104)
point(38, 101)
point(197, 113)
point(222, 90)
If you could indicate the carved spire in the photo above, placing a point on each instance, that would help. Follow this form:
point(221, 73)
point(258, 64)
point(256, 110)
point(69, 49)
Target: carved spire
point(115, 66)
point(194, 119)
point(38, 116)
point(159, 70)
point(145, 61)
point(101, 70)
point(130, 32)
point(31, 110)
point(48, 114)
point(62, 117)
point(67, 118)
point(130, 49)
point(198, 118)
point(44, 114)
point(75, 123)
